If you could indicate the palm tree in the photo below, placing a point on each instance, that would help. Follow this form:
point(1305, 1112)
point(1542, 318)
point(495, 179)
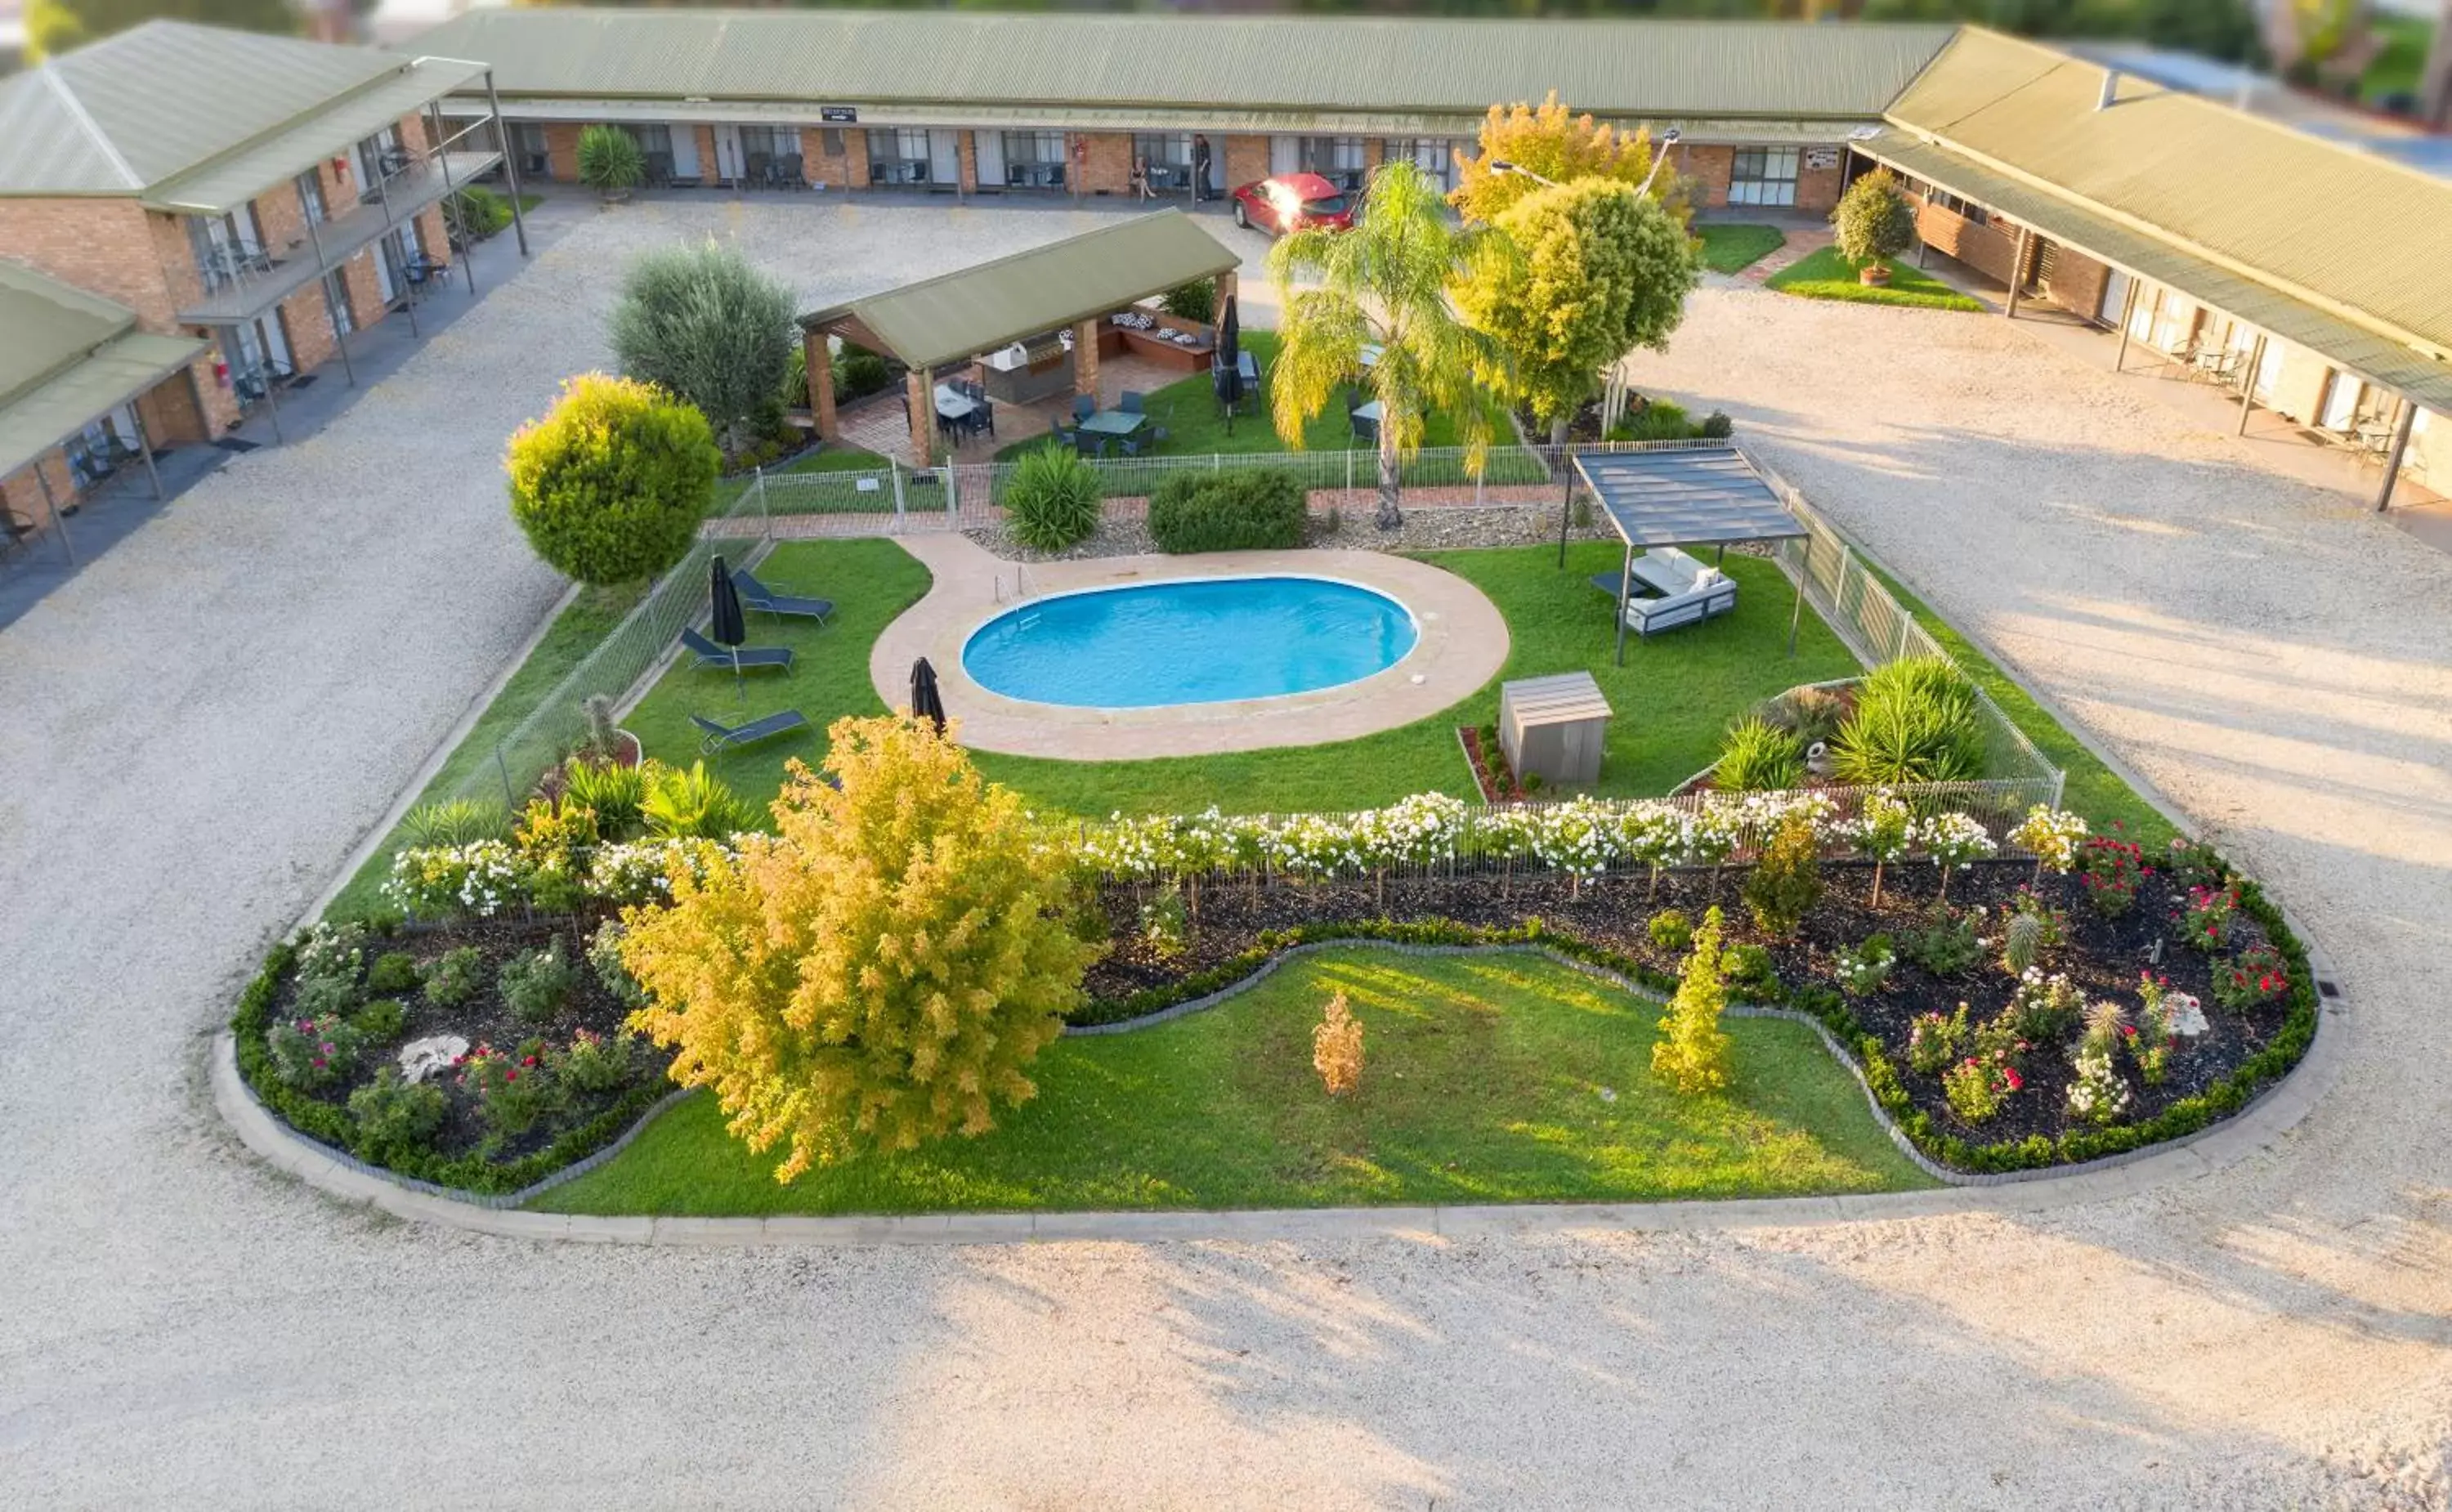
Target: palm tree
point(1385, 284)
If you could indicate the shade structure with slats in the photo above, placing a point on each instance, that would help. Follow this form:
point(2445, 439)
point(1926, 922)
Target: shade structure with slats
point(1708, 496)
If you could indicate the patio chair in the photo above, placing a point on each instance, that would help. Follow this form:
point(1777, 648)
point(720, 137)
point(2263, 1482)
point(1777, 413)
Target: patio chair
point(1084, 406)
point(711, 655)
point(1130, 403)
point(732, 737)
point(1365, 428)
point(756, 595)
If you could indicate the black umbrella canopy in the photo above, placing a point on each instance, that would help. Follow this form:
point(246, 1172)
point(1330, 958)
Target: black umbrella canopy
point(1230, 356)
point(926, 702)
point(729, 628)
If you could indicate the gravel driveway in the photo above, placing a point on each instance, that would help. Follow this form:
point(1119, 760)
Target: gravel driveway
point(183, 1330)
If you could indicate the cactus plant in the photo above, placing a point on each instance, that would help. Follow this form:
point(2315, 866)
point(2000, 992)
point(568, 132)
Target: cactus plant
point(2021, 940)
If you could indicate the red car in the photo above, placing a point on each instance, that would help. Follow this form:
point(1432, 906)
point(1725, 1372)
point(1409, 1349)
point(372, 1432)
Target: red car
point(1294, 202)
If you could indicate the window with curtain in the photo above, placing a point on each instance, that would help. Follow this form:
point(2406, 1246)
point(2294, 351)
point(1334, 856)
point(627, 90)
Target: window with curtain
point(1763, 175)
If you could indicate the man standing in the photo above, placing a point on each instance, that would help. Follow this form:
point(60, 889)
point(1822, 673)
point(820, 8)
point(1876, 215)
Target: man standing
point(1199, 168)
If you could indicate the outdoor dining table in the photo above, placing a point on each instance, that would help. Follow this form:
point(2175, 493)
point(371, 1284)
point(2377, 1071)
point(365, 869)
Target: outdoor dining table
point(1113, 422)
point(952, 404)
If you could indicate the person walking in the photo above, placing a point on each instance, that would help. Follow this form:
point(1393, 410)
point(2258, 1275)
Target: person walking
point(1199, 168)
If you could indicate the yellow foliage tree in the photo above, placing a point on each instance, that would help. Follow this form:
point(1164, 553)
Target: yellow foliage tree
point(877, 974)
point(1693, 1052)
point(1561, 147)
point(1336, 1047)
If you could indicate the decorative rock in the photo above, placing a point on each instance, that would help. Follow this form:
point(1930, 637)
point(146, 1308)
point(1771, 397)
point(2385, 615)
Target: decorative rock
point(420, 1058)
point(2188, 1015)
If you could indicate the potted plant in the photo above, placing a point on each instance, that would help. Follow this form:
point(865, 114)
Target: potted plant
point(1874, 224)
point(610, 161)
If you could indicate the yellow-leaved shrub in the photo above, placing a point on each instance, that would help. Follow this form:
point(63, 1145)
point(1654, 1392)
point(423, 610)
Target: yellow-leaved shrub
point(1336, 1047)
point(879, 973)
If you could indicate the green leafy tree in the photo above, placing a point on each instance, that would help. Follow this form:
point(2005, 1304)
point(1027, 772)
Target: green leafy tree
point(1385, 283)
point(610, 159)
point(1693, 1052)
point(703, 324)
point(611, 484)
point(1600, 271)
point(1873, 220)
point(1549, 142)
point(879, 973)
point(53, 27)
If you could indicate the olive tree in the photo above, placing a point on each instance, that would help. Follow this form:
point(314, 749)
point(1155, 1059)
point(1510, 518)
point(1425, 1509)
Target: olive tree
point(701, 321)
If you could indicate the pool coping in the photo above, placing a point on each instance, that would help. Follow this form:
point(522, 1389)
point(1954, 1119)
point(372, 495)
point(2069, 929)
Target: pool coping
point(1462, 643)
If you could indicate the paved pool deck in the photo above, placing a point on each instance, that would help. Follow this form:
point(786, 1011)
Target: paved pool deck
point(1463, 644)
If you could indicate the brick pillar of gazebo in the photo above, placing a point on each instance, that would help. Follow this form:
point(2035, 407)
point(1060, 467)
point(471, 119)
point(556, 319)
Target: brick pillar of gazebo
point(922, 394)
point(819, 352)
point(1085, 358)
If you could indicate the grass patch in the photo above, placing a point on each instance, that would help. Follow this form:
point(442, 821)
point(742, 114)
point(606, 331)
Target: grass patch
point(1482, 1083)
point(2093, 788)
point(1188, 409)
point(576, 631)
point(870, 581)
point(1727, 249)
point(1826, 274)
point(2399, 67)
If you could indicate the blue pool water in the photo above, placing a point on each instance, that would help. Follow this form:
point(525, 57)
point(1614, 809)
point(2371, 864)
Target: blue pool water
point(1189, 643)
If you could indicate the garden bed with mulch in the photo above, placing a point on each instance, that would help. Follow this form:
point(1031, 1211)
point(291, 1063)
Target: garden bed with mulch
point(311, 1033)
point(2205, 1075)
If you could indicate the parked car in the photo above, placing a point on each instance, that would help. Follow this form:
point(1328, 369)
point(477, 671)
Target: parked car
point(1294, 202)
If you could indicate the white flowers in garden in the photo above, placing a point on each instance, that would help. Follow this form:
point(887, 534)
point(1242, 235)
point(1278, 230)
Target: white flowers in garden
point(1951, 840)
point(478, 879)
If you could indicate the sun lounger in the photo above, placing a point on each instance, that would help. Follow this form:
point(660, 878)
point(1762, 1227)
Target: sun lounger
point(725, 658)
point(725, 738)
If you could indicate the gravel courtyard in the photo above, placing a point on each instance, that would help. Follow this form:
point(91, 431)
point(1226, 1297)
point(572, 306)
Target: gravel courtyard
point(184, 1330)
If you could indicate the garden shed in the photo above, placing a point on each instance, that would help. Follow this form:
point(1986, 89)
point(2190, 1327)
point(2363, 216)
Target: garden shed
point(1554, 728)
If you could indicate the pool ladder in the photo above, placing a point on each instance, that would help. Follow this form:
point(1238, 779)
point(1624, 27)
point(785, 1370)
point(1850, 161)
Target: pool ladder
point(1022, 594)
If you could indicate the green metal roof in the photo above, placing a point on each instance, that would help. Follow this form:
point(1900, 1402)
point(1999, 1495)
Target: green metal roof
point(2365, 239)
point(2393, 363)
point(232, 179)
point(69, 357)
point(142, 107)
point(982, 308)
point(1340, 64)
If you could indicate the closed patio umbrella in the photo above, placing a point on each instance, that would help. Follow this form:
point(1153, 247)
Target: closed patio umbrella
point(926, 702)
point(1226, 374)
point(727, 628)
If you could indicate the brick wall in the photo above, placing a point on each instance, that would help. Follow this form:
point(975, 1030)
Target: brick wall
point(2077, 284)
point(561, 150)
point(703, 137)
point(848, 170)
point(966, 161)
point(1707, 169)
point(1243, 160)
point(23, 495)
point(1988, 248)
point(1108, 166)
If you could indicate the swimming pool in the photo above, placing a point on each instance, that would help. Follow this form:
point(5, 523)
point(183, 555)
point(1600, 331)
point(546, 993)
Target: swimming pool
point(1200, 641)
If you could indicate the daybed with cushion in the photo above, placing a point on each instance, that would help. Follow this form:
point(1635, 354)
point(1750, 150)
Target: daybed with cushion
point(1672, 589)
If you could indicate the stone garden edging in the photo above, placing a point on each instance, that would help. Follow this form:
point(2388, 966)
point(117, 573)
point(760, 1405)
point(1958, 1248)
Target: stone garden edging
point(2274, 1113)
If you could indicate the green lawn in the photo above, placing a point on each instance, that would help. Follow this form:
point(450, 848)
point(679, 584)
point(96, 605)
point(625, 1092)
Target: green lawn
point(1487, 1078)
point(2094, 790)
point(1674, 694)
point(1195, 428)
point(575, 632)
point(870, 581)
point(1826, 274)
point(1727, 249)
point(2396, 68)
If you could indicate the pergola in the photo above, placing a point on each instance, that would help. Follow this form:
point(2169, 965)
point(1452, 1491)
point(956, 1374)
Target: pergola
point(1707, 497)
point(1064, 285)
point(71, 360)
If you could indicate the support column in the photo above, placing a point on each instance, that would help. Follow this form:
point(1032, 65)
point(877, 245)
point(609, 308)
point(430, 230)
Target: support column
point(923, 395)
point(2400, 433)
point(2248, 382)
point(2128, 310)
point(510, 169)
point(340, 337)
point(820, 357)
point(2018, 272)
point(51, 501)
point(1085, 360)
point(1625, 592)
point(1226, 287)
point(145, 445)
point(443, 165)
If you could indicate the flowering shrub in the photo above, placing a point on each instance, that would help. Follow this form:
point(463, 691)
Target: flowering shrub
point(605, 959)
point(1420, 831)
point(381, 1020)
point(1954, 841)
point(1979, 1086)
point(2045, 1008)
point(311, 1053)
point(1861, 971)
point(2155, 1033)
point(330, 953)
point(536, 984)
point(455, 976)
point(2052, 835)
point(2255, 976)
point(553, 839)
point(595, 1063)
point(514, 1093)
point(394, 971)
point(1580, 837)
point(1879, 832)
point(475, 880)
point(1336, 1047)
point(2097, 1095)
point(2195, 864)
point(2112, 868)
point(394, 1116)
point(1933, 1041)
point(1164, 926)
point(1654, 835)
point(641, 871)
point(2204, 919)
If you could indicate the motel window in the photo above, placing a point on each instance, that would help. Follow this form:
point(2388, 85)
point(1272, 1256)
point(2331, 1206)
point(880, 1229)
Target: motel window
point(652, 138)
point(310, 195)
point(899, 156)
point(1033, 160)
point(775, 141)
point(536, 159)
point(1433, 155)
point(1763, 175)
point(1167, 155)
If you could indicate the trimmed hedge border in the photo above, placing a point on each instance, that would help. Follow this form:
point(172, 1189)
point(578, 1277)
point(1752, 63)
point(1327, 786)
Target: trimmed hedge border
point(1946, 1156)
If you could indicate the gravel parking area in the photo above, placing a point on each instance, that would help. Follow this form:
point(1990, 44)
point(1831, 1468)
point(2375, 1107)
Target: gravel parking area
point(184, 1330)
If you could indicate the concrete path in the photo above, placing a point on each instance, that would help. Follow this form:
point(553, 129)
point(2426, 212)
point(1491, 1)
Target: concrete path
point(184, 1328)
point(1462, 643)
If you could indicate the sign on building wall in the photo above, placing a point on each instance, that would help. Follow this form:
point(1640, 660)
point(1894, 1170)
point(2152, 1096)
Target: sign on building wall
point(1822, 157)
point(838, 115)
